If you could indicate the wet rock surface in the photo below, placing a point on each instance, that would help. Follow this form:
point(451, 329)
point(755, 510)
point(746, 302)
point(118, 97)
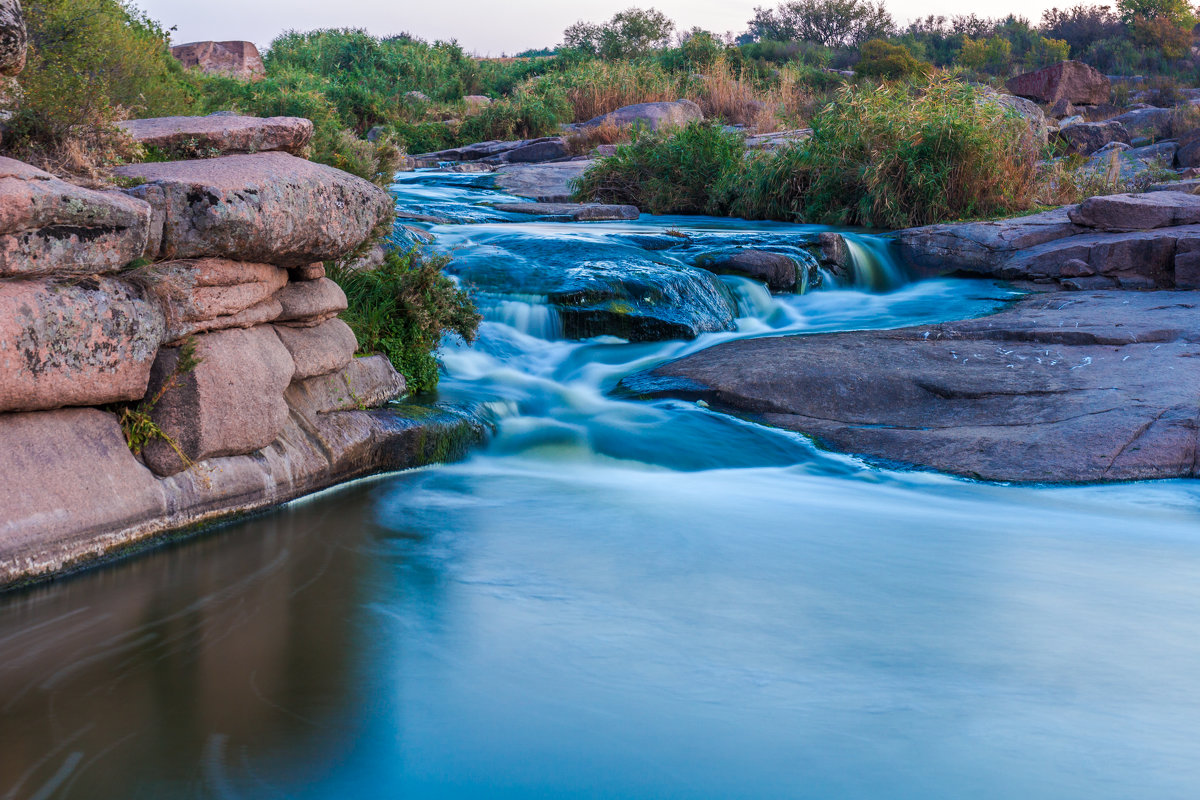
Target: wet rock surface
point(545, 183)
point(1057, 388)
point(576, 212)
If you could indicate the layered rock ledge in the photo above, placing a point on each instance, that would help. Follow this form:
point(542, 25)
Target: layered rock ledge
point(1096, 386)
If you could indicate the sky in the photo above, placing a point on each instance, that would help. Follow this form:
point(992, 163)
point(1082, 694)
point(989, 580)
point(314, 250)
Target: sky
point(490, 27)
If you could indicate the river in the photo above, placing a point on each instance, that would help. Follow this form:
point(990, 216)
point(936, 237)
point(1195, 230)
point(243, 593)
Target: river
point(617, 598)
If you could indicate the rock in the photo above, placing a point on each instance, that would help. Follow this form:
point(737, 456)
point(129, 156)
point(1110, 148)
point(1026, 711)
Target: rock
point(651, 116)
point(81, 343)
point(213, 294)
point(267, 207)
point(374, 257)
point(1152, 123)
point(577, 212)
point(778, 139)
point(545, 183)
point(418, 97)
point(194, 137)
point(311, 302)
point(231, 403)
point(1062, 108)
point(1141, 260)
point(309, 272)
point(48, 226)
point(319, 350)
point(13, 39)
point(980, 246)
point(1187, 264)
point(536, 152)
point(1033, 115)
point(232, 59)
point(477, 100)
point(1072, 81)
point(68, 487)
point(1069, 121)
point(1188, 154)
point(363, 383)
point(1094, 387)
point(1135, 212)
point(376, 133)
point(1188, 186)
point(1086, 138)
point(780, 272)
point(833, 254)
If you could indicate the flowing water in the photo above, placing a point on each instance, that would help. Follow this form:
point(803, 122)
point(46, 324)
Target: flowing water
point(620, 599)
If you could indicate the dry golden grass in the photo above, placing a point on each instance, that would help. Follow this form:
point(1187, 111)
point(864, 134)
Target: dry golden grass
point(585, 140)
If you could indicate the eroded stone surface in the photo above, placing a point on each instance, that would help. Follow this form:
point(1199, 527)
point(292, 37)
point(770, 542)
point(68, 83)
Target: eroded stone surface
point(80, 343)
point(779, 271)
point(363, 383)
point(311, 302)
point(49, 226)
point(319, 350)
point(266, 207)
point(1072, 81)
point(13, 38)
point(651, 116)
point(214, 293)
point(1070, 388)
point(233, 59)
point(578, 212)
point(221, 134)
point(231, 403)
point(545, 183)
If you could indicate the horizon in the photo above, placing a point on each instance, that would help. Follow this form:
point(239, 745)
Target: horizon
point(533, 24)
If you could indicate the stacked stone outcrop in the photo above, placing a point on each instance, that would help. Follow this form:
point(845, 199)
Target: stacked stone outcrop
point(102, 293)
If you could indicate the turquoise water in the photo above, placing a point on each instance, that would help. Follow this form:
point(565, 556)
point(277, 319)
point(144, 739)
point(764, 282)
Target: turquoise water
point(634, 600)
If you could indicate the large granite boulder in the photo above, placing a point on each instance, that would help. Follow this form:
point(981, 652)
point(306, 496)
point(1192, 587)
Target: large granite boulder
point(363, 383)
point(1072, 81)
point(545, 183)
point(1086, 138)
point(220, 134)
point(320, 349)
point(1147, 123)
point(1137, 212)
point(1059, 388)
point(650, 116)
point(80, 343)
point(980, 246)
point(231, 403)
point(68, 487)
point(214, 293)
point(13, 39)
point(49, 226)
point(267, 207)
point(231, 59)
point(1188, 153)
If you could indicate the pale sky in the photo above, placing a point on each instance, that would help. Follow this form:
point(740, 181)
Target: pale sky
point(490, 27)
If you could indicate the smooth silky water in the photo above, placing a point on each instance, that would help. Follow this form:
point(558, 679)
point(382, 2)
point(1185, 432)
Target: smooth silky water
point(621, 599)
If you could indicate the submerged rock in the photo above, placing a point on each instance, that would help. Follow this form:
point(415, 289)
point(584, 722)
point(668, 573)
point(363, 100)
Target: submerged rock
point(1097, 387)
point(578, 212)
point(545, 183)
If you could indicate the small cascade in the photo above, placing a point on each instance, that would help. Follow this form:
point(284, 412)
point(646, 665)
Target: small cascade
point(532, 315)
point(875, 267)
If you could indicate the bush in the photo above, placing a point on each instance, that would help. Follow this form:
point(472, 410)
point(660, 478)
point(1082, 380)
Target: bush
point(90, 62)
point(890, 61)
point(402, 309)
point(592, 88)
point(678, 172)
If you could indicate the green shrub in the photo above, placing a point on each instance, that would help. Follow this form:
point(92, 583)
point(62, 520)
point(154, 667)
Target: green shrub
point(890, 61)
point(667, 172)
point(897, 155)
point(527, 114)
point(403, 308)
point(90, 62)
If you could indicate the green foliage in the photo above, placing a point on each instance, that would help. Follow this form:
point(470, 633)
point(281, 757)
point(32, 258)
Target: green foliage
point(90, 62)
point(1048, 51)
point(992, 54)
point(668, 172)
point(890, 61)
point(1179, 12)
point(403, 308)
point(529, 112)
point(830, 23)
point(629, 34)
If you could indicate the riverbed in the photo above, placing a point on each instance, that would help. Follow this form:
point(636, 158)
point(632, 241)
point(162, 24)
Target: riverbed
point(620, 598)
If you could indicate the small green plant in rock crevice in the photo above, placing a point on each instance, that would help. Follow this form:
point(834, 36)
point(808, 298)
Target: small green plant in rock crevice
point(137, 423)
point(403, 308)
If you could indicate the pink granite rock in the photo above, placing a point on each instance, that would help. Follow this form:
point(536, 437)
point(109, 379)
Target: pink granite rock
point(266, 207)
point(232, 403)
point(309, 303)
point(49, 226)
point(82, 343)
point(215, 293)
point(319, 350)
point(220, 134)
point(1073, 81)
point(232, 59)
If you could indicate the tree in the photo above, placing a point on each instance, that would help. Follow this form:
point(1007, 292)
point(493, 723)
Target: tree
point(629, 34)
point(992, 54)
point(1177, 11)
point(831, 23)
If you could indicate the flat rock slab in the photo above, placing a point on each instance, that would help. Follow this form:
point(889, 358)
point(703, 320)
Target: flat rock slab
point(220, 134)
point(1058, 388)
point(49, 226)
point(576, 212)
point(78, 343)
point(270, 208)
point(545, 183)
